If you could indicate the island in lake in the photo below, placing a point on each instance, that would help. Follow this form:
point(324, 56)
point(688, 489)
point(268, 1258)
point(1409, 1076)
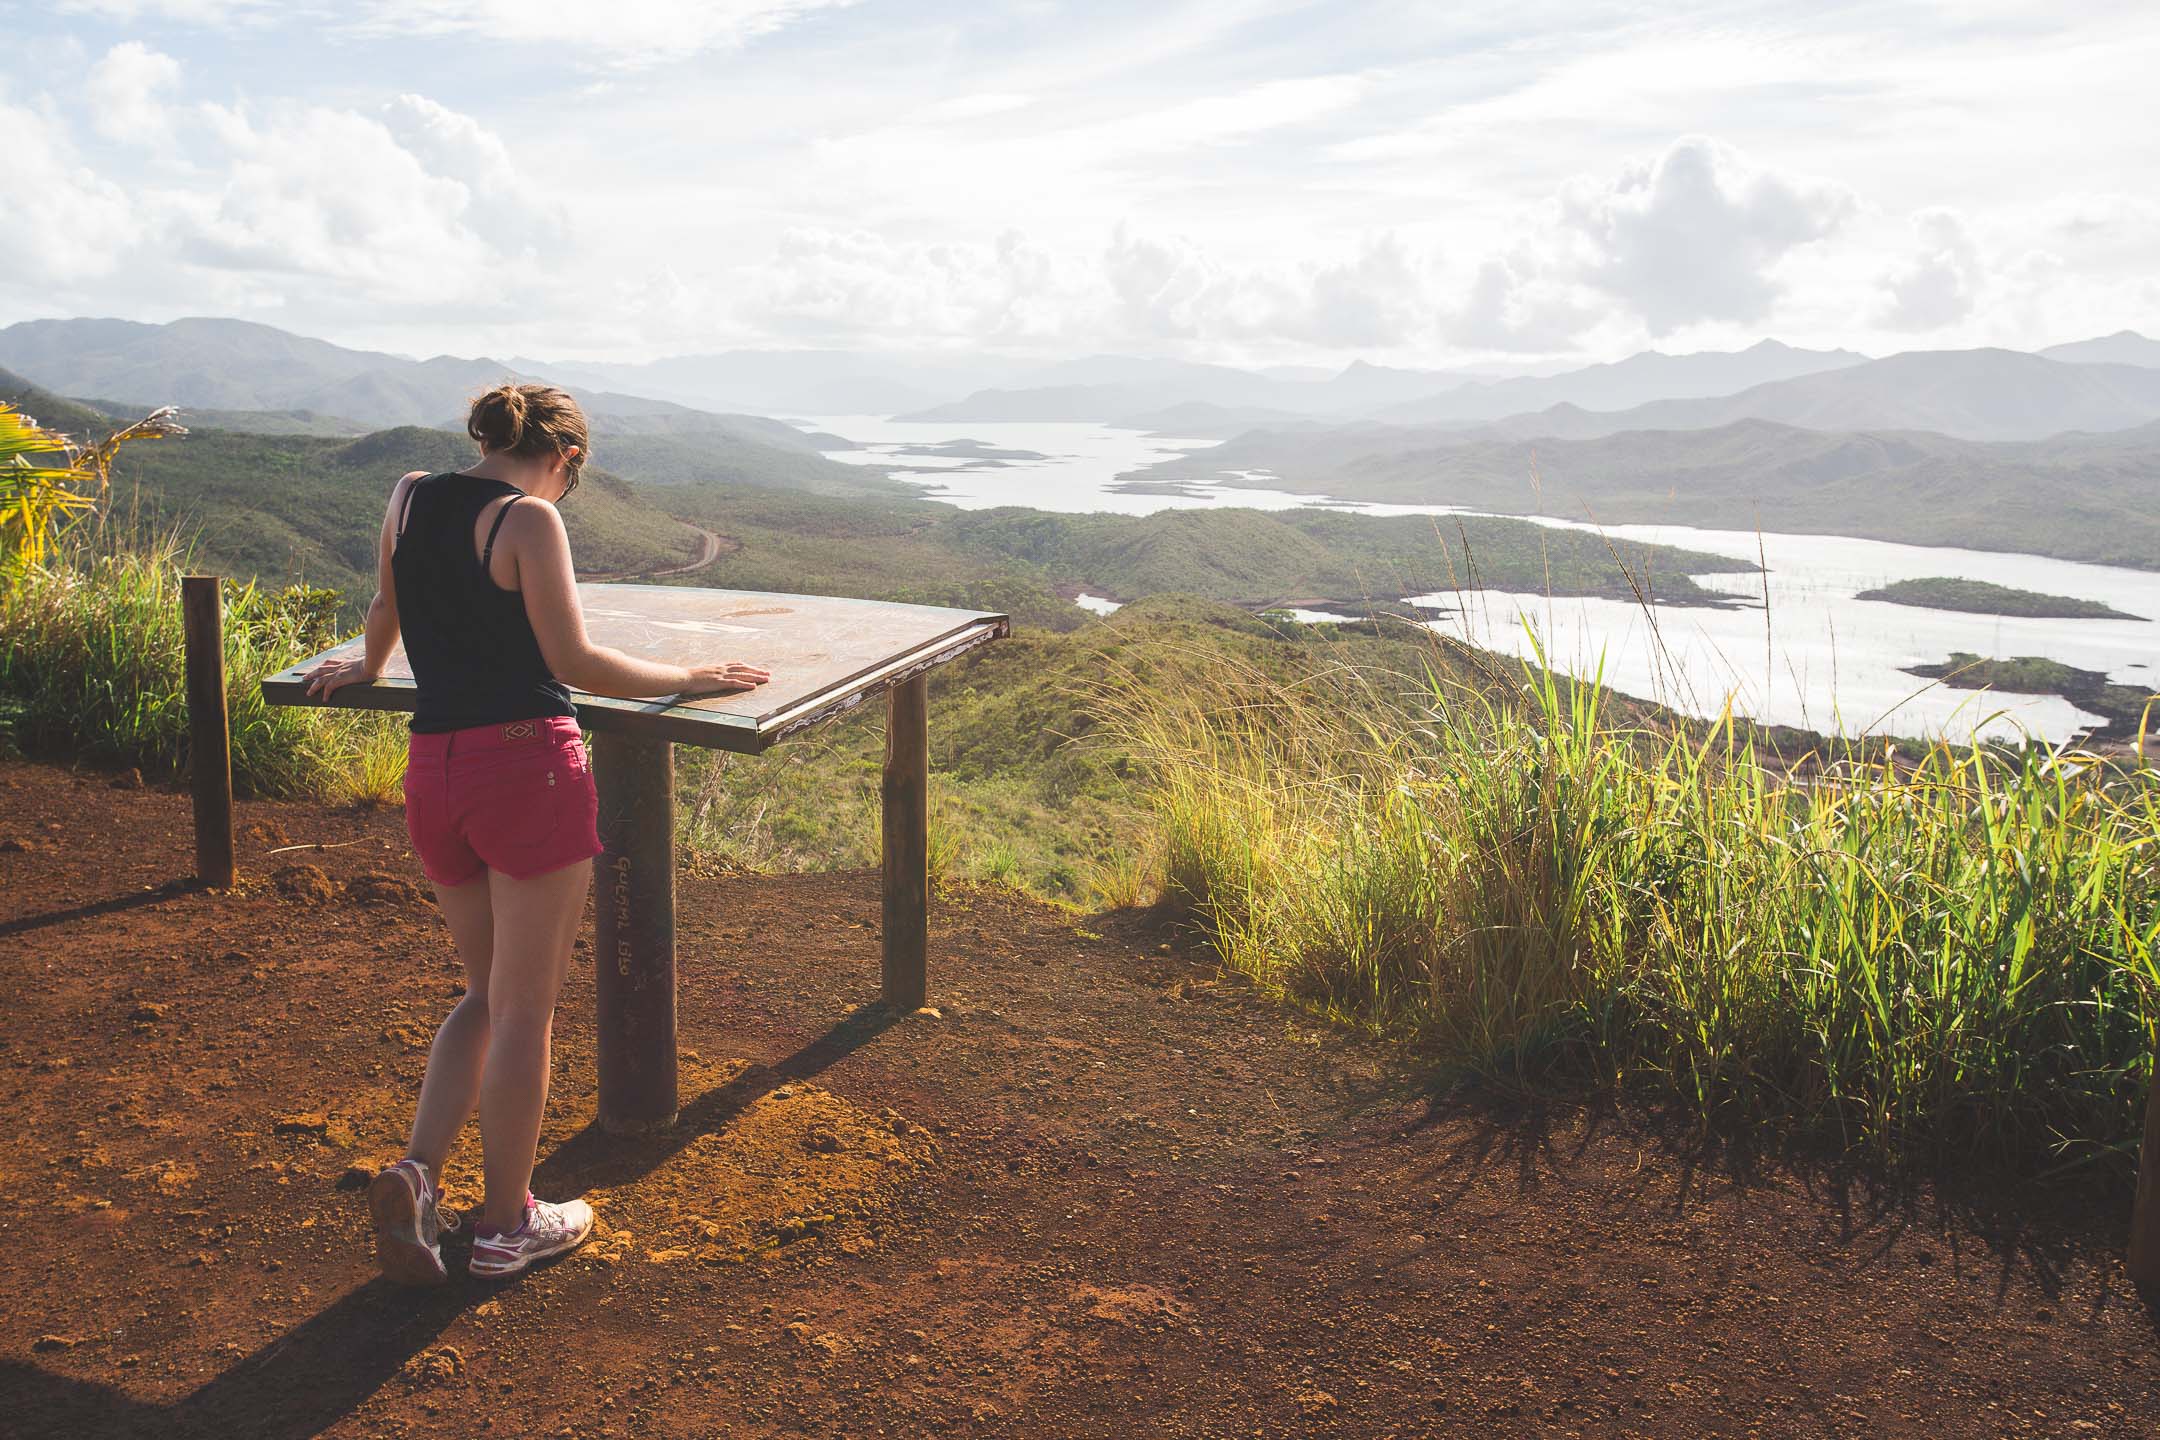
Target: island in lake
point(2124, 708)
point(1981, 597)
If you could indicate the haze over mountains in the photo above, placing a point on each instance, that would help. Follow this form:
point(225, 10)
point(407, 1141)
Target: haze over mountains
point(245, 373)
point(240, 371)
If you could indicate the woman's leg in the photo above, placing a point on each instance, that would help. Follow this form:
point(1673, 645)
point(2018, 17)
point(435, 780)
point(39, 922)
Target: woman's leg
point(452, 1086)
point(536, 924)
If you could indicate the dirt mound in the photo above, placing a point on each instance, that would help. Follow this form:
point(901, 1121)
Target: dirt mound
point(376, 888)
point(304, 882)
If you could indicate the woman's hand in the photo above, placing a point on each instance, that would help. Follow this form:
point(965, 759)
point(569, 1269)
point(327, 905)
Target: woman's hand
point(727, 678)
point(326, 678)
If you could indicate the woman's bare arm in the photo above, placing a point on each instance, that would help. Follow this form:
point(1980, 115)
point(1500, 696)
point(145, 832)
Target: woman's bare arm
point(382, 613)
point(540, 548)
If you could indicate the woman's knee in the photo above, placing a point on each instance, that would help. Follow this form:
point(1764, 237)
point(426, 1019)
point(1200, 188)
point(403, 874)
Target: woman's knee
point(520, 1016)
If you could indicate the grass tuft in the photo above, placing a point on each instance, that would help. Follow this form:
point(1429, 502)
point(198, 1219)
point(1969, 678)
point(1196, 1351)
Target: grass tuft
point(1951, 951)
point(93, 666)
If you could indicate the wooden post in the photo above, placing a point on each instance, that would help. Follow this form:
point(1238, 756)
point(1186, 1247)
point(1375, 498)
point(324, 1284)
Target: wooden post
point(634, 932)
point(2145, 1212)
point(209, 728)
point(906, 801)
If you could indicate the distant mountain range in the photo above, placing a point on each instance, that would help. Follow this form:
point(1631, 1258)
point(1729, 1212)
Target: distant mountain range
point(261, 378)
point(1638, 380)
point(1970, 394)
point(2124, 347)
point(244, 375)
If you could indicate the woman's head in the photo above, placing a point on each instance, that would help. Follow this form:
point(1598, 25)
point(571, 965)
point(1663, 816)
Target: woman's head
point(536, 423)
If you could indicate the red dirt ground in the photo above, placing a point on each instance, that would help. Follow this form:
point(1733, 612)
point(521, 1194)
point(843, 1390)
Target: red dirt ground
point(1101, 1192)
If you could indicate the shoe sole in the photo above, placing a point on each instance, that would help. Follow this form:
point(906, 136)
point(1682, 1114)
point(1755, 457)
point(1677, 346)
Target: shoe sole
point(399, 1250)
point(496, 1271)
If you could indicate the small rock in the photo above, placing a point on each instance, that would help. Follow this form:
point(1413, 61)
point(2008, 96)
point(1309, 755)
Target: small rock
point(824, 1142)
point(436, 1367)
point(148, 1010)
point(356, 1177)
point(55, 1342)
point(14, 845)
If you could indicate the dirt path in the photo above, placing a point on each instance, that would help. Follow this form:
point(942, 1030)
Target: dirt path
point(1100, 1193)
point(711, 547)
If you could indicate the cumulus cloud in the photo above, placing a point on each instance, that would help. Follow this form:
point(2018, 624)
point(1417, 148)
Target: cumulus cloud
point(82, 224)
point(511, 209)
point(1511, 307)
point(844, 283)
point(1696, 234)
point(126, 94)
point(1171, 288)
point(1936, 286)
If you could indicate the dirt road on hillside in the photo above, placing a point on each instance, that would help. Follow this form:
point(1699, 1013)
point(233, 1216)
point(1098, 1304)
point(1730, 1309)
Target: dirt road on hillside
point(1097, 1192)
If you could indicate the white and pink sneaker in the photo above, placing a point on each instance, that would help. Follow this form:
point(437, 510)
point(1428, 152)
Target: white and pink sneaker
point(409, 1223)
point(545, 1232)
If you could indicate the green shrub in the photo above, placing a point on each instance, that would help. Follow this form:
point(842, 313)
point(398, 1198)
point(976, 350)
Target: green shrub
point(93, 663)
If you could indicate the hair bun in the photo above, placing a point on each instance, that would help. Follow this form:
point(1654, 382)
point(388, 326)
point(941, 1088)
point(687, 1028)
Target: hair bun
point(497, 419)
point(528, 420)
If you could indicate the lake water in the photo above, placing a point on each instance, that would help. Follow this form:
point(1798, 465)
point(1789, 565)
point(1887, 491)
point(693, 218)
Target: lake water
point(1826, 661)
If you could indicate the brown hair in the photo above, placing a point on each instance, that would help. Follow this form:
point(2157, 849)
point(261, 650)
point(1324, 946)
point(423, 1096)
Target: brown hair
point(527, 421)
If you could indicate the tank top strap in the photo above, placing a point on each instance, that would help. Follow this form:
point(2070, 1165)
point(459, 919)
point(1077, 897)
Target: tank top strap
point(487, 552)
point(405, 512)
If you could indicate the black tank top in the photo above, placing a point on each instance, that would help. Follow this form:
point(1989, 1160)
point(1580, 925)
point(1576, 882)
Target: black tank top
point(473, 655)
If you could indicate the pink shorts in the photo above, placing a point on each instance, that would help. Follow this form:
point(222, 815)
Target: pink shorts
point(515, 798)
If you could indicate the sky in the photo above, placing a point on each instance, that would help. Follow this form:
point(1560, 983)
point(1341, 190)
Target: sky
point(1439, 184)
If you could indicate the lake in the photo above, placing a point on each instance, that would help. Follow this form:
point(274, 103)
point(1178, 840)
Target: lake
point(1825, 661)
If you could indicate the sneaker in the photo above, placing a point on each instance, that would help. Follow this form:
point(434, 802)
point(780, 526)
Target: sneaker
point(409, 1223)
point(545, 1232)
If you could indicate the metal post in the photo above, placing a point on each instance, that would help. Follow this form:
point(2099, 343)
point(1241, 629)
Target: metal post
point(634, 932)
point(202, 624)
point(2145, 1212)
point(906, 801)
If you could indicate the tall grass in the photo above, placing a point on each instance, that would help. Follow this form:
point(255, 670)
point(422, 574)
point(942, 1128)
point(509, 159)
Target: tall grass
point(92, 665)
point(1952, 951)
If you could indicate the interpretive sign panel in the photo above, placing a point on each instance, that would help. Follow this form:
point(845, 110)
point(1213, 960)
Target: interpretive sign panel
point(825, 653)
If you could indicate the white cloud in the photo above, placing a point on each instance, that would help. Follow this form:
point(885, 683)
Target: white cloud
point(513, 210)
point(196, 12)
point(619, 34)
point(1938, 284)
point(330, 202)
point(623, 33)
point(126, 94)
point(81, 224)
point(1516, 310)
point(1174, 289)
point(858, 284)
point(1696, 234)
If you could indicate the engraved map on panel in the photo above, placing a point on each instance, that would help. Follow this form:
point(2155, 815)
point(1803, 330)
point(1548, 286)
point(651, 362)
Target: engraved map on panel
point(811, 643)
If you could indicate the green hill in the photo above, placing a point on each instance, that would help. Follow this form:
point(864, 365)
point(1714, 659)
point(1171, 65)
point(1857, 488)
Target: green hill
point(300, 507)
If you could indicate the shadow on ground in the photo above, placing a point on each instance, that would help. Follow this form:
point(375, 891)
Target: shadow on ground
point(306, 1380)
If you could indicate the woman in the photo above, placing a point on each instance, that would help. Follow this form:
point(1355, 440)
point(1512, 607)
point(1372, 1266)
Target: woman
point(499, 803)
